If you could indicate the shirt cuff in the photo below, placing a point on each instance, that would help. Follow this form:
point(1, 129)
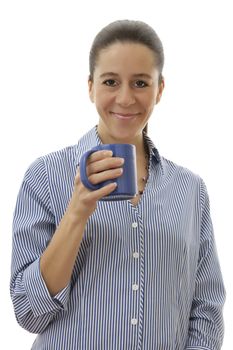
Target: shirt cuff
point(38, 294)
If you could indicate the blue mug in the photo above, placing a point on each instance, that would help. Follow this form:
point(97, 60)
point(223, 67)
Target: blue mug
point(126, 183)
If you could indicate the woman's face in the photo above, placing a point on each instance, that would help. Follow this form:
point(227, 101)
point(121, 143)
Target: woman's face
point(124, 90)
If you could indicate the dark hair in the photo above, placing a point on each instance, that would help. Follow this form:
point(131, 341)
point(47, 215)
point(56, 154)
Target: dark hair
point(127, 31)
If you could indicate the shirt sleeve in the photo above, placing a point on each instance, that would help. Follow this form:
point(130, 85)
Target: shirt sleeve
point(33, 227)
point(206, 326)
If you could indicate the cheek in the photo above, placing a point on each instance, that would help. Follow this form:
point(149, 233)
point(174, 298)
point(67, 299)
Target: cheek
point(148, 101)
point(103, 100)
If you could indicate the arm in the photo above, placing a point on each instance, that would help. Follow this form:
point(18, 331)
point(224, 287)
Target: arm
point(206, 321)
point(33, 227)
point(43, 256)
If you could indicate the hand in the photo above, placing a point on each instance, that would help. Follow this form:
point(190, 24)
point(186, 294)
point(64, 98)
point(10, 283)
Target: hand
point(101, 166)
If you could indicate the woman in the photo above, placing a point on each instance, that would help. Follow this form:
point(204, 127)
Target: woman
point(135, 274)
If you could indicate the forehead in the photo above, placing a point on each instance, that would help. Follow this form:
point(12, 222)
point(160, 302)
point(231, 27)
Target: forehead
point(126, 57)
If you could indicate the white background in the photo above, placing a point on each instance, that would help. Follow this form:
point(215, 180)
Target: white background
point(44, 104)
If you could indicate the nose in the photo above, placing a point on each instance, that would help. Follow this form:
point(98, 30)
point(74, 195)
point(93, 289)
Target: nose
point(125, 96)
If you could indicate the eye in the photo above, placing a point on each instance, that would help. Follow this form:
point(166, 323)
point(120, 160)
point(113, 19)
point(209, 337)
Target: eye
point(140, 84)
point(110, 82)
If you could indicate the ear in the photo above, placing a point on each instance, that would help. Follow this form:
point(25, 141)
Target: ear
point(91, 90)
point(160, 91)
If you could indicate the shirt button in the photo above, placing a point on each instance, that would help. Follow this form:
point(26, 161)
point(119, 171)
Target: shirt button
point(136, 255)
point(134, 224)
point(134, 321)
point(135, 286)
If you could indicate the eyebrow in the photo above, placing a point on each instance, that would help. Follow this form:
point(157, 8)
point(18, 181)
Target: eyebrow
point(139, 75)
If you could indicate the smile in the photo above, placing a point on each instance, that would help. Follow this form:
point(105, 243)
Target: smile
point(123, 116)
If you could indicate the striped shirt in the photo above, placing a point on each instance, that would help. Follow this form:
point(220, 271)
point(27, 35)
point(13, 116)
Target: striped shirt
point(146, 277)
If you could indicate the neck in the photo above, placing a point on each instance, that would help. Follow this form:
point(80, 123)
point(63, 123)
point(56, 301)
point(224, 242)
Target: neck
point(138, 141)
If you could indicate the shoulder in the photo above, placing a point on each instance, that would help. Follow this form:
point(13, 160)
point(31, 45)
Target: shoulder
point(53, 160)
point(63, 157)
point(185, 182)
point(171, 170)
point(68, 156)
point(179, 173)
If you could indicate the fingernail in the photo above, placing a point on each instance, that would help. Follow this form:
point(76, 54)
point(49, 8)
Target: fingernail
point(108, 153)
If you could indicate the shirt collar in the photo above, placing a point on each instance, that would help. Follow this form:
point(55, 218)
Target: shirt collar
point(152, 149)
point(92, 139)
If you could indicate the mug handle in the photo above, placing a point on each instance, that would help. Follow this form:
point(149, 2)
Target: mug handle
point(83, 170)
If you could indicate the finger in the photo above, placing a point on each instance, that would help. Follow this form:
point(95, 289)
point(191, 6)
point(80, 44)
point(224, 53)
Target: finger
point(105, 175)
point(98, 155)
point(77, 178)
point(104, 164)
point(103, 191)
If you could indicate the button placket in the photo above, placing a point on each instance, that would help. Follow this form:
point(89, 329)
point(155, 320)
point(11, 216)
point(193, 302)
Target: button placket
point(134, 321)
point(135, 286)
point(134, 224)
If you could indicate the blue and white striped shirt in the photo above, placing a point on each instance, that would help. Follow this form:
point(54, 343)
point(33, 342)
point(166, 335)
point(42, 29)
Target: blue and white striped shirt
point(146, 277)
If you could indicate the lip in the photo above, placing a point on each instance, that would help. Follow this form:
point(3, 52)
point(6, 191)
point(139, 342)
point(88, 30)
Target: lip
point(125, 116)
